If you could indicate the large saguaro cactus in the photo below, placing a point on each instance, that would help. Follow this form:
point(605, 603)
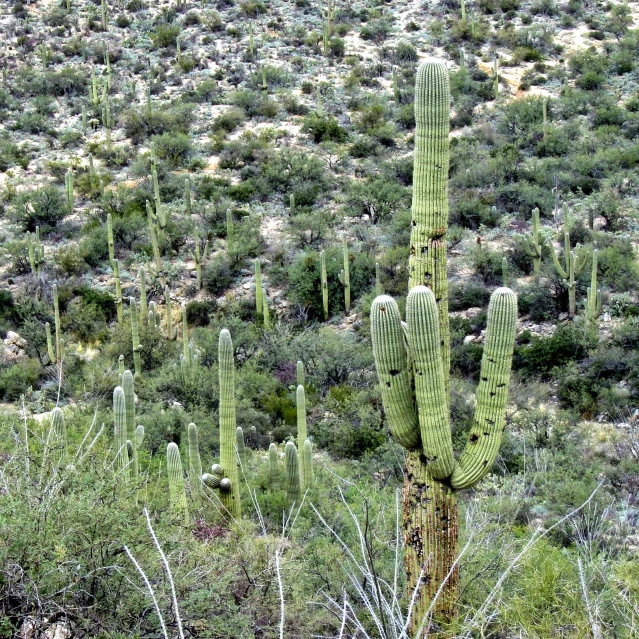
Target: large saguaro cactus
point(301, 432)
point(413, 366)
point(574, 264)
point(228, 457)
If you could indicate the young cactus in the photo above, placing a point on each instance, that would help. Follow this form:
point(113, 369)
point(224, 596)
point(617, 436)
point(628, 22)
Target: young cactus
point(309, 478)
point(292, 472)
point(345, 278)
point(302, 434)
point(574, 263)
point(324, 284)
point(593, 300)
point(228, 457)
point(135, 337)
point(533, 244)
point(129, 406)
point(239, 442)
point(36, 252)
point(273, 467)
point(120, 438)
point(177, 492)
point(195, 463)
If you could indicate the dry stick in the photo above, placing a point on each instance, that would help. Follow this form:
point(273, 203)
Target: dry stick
point(26, 437)
point(594, 625)
point(168, 573)
point(281, 590)
point(150, 589)
point(343, 626)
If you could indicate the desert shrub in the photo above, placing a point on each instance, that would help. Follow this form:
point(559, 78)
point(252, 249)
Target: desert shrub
point(165, 35)
point(324, 128)
point(87, 322)
point(43, 207)
point(174, 147)
point(296, 172)
point(217, 275)
point(229, 120)
point(18, 378)
point(378, 197)
point(199, 313)
point(11, 154)
point(139, 125)
point(468, 295)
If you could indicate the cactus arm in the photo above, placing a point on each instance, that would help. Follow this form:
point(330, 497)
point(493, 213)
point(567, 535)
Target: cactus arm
point(195, 463)
point(211, 481)
point(177, 493)
point(139, 435)
point(492, 394)
point(430, 385)
point(427, 261)
point(302, 434)
point(239, 442)
point(580, 258)
point(228, 456)
point(393, 371)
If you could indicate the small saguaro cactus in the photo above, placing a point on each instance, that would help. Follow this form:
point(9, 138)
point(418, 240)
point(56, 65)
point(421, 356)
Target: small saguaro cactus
point(324, 284)
point(228, 457)
point(195, 463)
point(273, 466)
point(533, 244)
point(302, 434)
point(258, 287)
point(309, 478)
point(171, 331)
point(574, 263)
point(292, 472)
point(135, 337)
point(36, 252)
point(129, 405)
point(199, 257)
point(118, 291)
point(110, 240)
point(239, 442)
point(119, 434)
point(177, 492)
point(345, 277)
point(300, 373)
point(139, 435)
point(593, 300)
point(144, 312)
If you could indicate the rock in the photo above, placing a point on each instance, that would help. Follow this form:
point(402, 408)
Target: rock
point(473, 312)
point(469, 339)
point(563, 317)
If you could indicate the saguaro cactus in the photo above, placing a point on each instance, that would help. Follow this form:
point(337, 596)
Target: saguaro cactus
point(533, 244)
point(177, 492)
point(199, 257)
point(292, 472)
point(300, 396)
point(129, 404)
point(259, 304)
point(574, 263)
point(110, 241)
point(239, 442)
point(118, 291)
point(300, 373)
point(119, 434)
point(195, 463)
point(309, 478)
point(273, 467)
point(36, 252)
point(413, 366)
point(135, 337)
point(324, 283)
point(228, 457)
point(593, 300)
point(345, 277)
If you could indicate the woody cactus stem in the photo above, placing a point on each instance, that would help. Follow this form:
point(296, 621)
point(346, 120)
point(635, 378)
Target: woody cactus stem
point(533, 244)
point(119, 434)
point(309, 478)
point(273, 467)
point(195, 463)
point(292, 472)
point(574, 263)
point(110, 241)
point(228, 458)
point(177, 493)
point(345, 278)
point(413, 369)
point(135, 337)
point(118, 291)
point(301, 432)
point(258, 287)
point(129, 403)
point(324, 284)
point(593, 301)
point(36, 252)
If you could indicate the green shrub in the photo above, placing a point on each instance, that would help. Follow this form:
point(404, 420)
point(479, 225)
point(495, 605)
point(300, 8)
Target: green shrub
point(165, 35)
point(43, 207)
point(173, 147)
point(324, 128)
point(217, 275)
point(18, 378)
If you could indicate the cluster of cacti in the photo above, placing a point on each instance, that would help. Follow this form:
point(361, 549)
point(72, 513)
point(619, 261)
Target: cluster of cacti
point(36, 251)
point(292, 472)
point(215, 479)
point(177, 490)
point(345, 278)
point(324, 283)
point(135, 337)
point(199, 257)
point(413, 365)
point(228, 456)
point(118, 291)
point(195, 463)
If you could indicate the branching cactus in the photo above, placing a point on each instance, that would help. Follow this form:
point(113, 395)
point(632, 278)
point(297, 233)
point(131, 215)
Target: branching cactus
point(413, 366)
point(135, 337)
point(273, 467)
point(574, 263)
point(36, 252)
point(119, 435)
point(292, 472)
point(118, 291)
point(324, 284)
point(534, 243)
point(309, 478)
point(345, 277)
point(110, 240)
point(239, 442)
point(177, 492)
point(228, 457)
point(258, 287)
point(195, 463)
point(129, 404)
point(593, 301)
point(302, 434)
point(199, 257)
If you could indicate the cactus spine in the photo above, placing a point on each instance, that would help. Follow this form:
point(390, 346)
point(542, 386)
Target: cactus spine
point(195, 463)
point(574, 263)
point(118, 291)
point(129, 405)
point(177, 492)
point(292, 472)
point(324, 283)
point(36, 252)
point(120, 438)
point(300, 397)
point(110, 241)
point(135, 337)
point(309, 478)
point(258, 287)
point(345, 278)
point(239, 442)
point(228, 458)
point(273, 466)
point(413, 367)
point(533, 244)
